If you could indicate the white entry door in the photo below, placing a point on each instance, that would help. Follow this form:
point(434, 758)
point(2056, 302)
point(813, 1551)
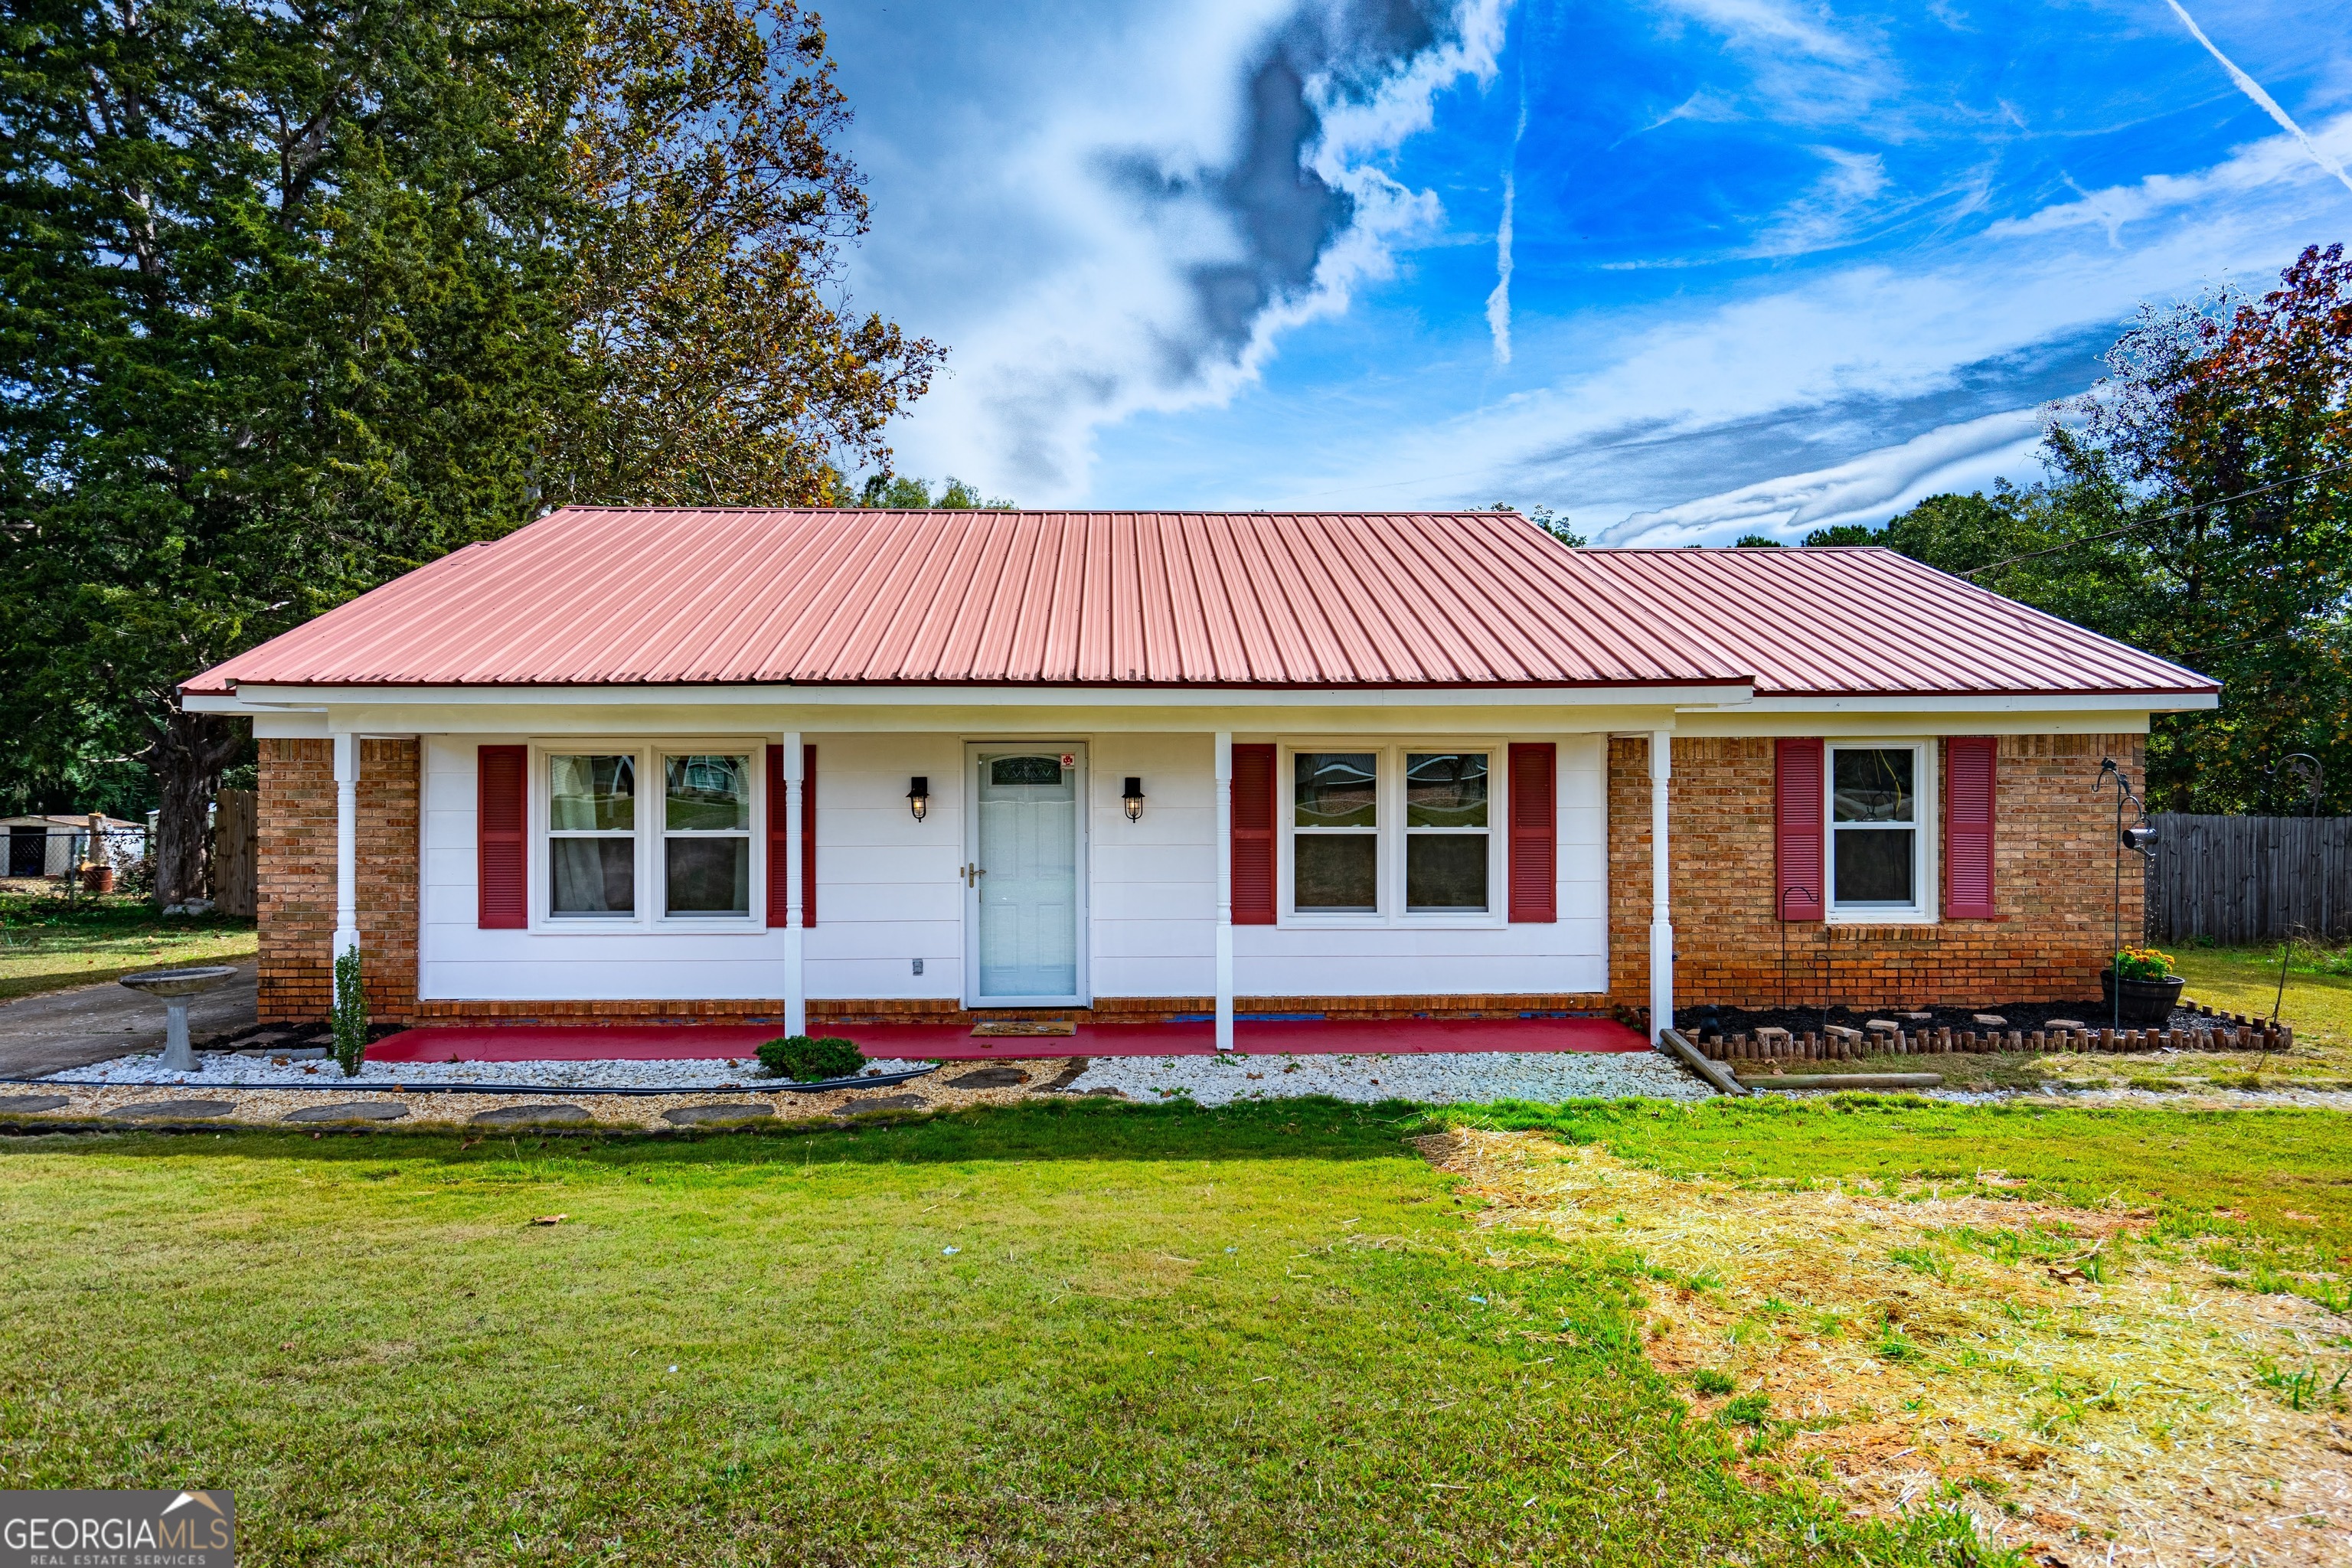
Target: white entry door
point(1024, 899)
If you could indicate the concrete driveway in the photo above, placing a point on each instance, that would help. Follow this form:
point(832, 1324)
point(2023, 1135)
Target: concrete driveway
point(59, 1030)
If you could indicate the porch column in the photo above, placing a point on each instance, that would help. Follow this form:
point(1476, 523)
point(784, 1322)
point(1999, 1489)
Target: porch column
point(1225, 850)
point(347, 844)
point(795, 980)
point(1661, 925)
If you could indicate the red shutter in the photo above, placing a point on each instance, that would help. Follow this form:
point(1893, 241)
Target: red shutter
point(1799, 829)
point(1253, 846)
point(1967, 827)
point(808, 836)
point(502, 872)
point(779, 828)
point(1535, 833)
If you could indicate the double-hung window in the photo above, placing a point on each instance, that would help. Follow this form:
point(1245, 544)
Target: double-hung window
point(707, 836)
point(1445, 818)
point(591, 835)
point(696, 854)
point(1336, 833)
point(1876, 843)
point(1392, 834)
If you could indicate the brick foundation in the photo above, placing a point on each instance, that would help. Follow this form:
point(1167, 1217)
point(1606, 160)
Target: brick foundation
point(1107, 1010)
point(2052, 888)
point(297, 903)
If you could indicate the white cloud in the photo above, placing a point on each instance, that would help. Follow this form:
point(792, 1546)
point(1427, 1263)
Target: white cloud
point(1864, 488)
point(1133, 241)
point(2268, 104)
point(2271, 163)
point(1813, 371)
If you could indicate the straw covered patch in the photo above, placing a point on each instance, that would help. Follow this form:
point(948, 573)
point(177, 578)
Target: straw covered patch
point(2076, 1383)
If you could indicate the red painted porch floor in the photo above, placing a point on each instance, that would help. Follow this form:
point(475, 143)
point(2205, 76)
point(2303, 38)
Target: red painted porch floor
point(955, 1042)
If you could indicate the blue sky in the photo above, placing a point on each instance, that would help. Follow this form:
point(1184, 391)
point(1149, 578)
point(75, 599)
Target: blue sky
point(1770, 264)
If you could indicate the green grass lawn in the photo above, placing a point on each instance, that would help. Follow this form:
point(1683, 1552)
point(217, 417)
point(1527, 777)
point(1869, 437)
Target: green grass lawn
point(2246, 979)
point(1058, 1334)
point(48, 945)
point(2267, 1192)
point(2317, 1006)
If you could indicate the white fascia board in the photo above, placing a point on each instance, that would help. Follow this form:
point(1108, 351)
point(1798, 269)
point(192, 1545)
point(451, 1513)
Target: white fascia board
point(2055, 702)
point(252, 698)
point(287, 725)
point(1893, 724)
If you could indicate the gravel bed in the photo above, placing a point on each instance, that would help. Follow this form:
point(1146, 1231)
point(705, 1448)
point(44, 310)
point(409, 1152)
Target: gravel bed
point(221, 1069)
point(1464, 1077)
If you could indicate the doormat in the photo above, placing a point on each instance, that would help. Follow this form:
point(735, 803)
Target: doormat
point(1006, 1026)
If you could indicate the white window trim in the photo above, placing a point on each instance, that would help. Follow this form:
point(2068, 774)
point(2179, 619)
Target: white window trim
point(1388, 797)
point(1926, 838)
point(649, 917)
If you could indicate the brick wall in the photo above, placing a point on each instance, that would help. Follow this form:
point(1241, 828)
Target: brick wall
point(2052, 887)
point(296, 906)
point(297, 903)
point(387, 872)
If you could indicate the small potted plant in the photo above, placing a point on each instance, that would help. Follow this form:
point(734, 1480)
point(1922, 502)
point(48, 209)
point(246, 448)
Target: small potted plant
point(2150, 988)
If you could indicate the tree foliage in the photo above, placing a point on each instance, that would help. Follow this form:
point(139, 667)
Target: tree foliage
point(906, 493)
point(297, 294)
point(2199, 508)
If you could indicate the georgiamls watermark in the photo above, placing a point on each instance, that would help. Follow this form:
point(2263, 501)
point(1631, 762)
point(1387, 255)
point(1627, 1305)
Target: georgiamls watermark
point(117, 1530)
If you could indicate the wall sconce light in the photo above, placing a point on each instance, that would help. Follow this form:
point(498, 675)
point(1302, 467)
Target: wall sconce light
point(1133, 800)
point(919, 797)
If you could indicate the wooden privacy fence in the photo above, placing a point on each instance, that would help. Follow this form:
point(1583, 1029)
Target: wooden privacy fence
point(2250, 878)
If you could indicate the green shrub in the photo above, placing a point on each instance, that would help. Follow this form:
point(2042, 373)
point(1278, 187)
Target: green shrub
point(1706, 1380)
point(349, 1017)
point(804, 1061)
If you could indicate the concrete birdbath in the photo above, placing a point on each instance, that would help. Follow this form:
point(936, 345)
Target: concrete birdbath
point(177, 988)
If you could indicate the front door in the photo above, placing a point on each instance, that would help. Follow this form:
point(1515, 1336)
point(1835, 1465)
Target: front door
point(1025, 900)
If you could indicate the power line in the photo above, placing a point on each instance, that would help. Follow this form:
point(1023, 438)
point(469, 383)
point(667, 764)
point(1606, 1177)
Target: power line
point(2151, 521)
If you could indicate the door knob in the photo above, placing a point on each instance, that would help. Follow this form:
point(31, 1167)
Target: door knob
point(971, 874)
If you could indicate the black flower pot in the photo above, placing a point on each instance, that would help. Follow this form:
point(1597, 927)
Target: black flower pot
point(2144, 1000)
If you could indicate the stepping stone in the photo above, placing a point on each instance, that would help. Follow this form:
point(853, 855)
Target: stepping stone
point(1888, 1024)
point(1921, 1017)
point(1992, 1020)
point(1841, 1032)
point(885, 1102)
point(154, 1108)
point(31, 1101)
point(351, 1110)
point(739, 1110)
point(990, 1078)
point(525, 1115)
point(2063, 1023)
point(1773, 1037)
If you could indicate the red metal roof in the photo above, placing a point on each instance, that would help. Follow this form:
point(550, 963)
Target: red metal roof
point(595, 597)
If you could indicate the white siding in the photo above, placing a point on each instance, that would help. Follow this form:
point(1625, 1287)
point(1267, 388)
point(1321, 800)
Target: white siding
point(458, 961)
point(887, 888)
point(1571, 955)
point(888, 893)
